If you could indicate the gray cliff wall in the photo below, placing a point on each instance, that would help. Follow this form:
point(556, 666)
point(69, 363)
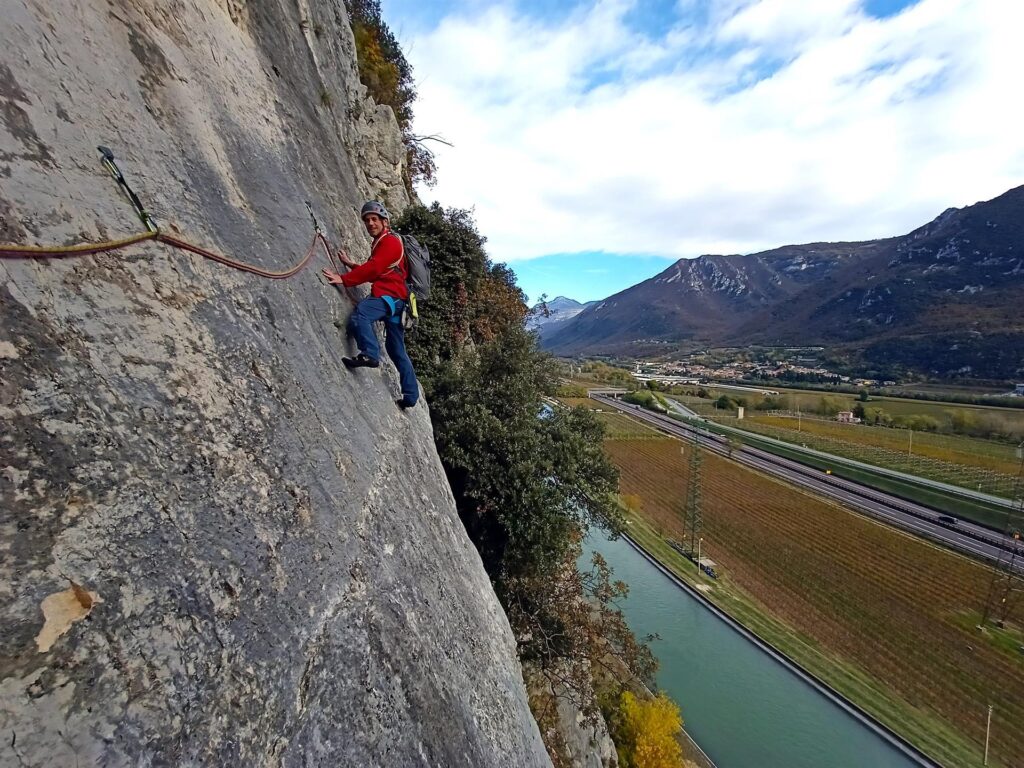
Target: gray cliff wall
point(246, 555)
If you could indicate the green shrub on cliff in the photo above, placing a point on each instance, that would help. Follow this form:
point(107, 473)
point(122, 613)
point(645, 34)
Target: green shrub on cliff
point(387, 75)
point(524, 485)
point(527, 480)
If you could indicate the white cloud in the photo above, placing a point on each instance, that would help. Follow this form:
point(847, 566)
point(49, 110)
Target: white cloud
point(587, 135)
point(794, 24)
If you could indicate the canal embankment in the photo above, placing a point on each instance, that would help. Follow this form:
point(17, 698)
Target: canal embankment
point(898, 742)
point(745, 702)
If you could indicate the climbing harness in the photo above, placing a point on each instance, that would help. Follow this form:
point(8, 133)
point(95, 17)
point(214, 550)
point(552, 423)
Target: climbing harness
point(10, 251)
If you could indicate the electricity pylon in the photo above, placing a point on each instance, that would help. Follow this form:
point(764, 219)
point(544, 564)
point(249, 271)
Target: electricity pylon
point(693, 518)
point(1007, 585)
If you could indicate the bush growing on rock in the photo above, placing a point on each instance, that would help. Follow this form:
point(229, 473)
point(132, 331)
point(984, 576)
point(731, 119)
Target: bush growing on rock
point(526, 488)
point(387, 75)
point(646, 731)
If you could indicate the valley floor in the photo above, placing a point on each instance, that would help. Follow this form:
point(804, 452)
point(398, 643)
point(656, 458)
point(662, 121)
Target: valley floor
point(884, 618)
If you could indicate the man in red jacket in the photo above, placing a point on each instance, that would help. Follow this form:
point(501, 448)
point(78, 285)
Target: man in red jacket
point(386, 270)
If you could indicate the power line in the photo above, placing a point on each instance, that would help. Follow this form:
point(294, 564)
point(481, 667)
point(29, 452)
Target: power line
point(1007, 587)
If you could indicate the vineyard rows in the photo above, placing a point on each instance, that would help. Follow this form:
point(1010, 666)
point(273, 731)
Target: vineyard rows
point(885, 601)
point(966, 475)
point(958, 449)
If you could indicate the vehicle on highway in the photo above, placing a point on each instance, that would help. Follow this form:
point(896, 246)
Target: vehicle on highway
point(948, 520)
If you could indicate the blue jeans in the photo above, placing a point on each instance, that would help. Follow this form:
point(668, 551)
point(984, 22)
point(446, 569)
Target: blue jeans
point(360, 325)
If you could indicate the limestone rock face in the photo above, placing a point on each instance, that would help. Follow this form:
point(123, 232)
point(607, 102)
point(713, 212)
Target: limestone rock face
point(217, 547)
point(589, 744)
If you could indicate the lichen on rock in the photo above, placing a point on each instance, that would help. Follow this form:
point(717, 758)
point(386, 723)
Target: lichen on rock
point(61, 610)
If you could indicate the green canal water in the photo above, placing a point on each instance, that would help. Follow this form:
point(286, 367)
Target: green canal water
point(744, 708)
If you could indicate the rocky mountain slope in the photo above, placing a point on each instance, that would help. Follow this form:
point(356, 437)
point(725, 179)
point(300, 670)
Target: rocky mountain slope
point(559, 311)
point(218, 548)
point(945, 298)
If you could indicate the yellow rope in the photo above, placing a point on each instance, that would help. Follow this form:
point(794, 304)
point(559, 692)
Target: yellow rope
point(69, 250)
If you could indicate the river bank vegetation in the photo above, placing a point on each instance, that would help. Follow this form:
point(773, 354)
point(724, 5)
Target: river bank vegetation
point(885, 618)
point(528, 480)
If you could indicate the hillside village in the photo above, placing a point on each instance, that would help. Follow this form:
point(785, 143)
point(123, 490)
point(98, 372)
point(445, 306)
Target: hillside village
point(690, 371)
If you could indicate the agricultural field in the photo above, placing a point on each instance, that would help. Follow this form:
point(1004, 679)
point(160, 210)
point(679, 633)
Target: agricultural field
point(1011, 418)
point(983, 465)
point(885, 608)
point(581, 402)
point(619, 426)
point(615, 424)
point(948, 389)
point(1009, 421)
point(956, 449)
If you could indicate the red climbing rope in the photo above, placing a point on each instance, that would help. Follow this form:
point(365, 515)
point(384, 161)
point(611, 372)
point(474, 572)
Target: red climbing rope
point(84, 249)
point(9, 251)
point(175, 242)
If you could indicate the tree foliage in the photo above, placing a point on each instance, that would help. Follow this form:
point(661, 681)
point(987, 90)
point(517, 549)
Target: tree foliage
point(773, 403)
point(525, 486)
point(917, 422)
point(528, 480)
point(646, 399)
point(632, 502)
point(387, 75)
point(830, 406)
point(571, 390)
point(725, 403)
point(645, 732)
point(877, 416)
point(578, 639)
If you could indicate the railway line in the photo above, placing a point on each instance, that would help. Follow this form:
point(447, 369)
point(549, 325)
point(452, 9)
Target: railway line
point(965, 537)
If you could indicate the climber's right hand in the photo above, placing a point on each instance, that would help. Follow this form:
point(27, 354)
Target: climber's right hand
point(332, 277)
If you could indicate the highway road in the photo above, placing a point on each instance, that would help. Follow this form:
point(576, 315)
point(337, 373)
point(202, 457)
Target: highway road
point(965, 537)
point(998, 502)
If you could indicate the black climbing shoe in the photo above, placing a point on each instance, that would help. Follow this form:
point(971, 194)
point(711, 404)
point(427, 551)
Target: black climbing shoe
point(403, 403)
point(360, 361)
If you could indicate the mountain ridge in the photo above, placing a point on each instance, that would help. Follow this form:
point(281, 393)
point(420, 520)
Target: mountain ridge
point(548, 314)
point(960, 274)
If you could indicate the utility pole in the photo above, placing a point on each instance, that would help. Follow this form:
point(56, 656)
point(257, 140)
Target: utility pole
point(988, 730)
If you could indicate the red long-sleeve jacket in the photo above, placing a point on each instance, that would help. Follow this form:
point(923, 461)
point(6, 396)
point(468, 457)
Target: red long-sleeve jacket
point(386, 268)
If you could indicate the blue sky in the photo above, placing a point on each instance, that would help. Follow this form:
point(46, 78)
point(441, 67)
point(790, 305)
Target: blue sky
point(598, 142)
point(585, 276)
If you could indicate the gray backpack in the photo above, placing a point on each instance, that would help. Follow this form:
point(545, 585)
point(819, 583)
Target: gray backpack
point(418, 261)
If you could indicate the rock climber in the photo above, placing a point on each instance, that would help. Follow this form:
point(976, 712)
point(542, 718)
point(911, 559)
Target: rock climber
point(386, 270)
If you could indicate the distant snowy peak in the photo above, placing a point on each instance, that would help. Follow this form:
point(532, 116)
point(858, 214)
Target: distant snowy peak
point(558, 309)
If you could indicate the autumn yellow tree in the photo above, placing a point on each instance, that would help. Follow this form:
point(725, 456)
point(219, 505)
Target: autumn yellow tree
point(647, 731)
point(632, 502)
